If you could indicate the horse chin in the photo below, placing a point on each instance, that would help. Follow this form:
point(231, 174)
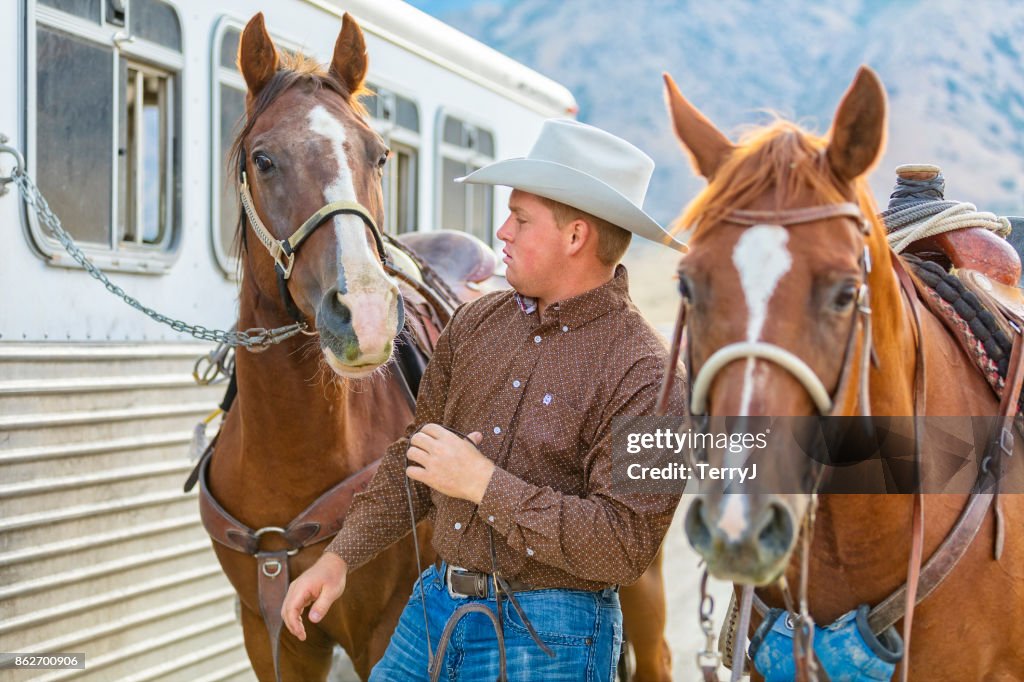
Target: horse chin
point(744, 571)
point(360, 369)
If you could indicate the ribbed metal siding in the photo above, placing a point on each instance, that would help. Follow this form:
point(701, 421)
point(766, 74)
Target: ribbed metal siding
point(100, 551)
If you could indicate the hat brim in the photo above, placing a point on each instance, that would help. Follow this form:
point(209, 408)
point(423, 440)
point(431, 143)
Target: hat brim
point(574, 188)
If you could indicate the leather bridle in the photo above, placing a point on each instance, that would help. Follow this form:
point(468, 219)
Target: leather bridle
point(283, 251)
point(825, 403)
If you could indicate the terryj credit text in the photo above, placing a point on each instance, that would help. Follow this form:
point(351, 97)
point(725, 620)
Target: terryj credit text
point(677, 442)
point(659, 454)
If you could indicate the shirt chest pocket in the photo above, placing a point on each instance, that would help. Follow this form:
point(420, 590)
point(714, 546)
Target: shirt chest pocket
point(550, 436)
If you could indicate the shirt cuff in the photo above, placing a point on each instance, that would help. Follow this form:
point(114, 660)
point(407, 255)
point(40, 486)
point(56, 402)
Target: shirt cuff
point(501, 500)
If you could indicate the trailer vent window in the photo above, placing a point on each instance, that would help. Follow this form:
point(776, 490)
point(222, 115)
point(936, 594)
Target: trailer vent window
point(145, 164)
point(105, 137)
point(397, 119)
point(86, 9)
point(464, 148)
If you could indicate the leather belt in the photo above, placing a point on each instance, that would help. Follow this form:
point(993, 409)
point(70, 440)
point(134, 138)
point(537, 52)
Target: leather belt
point(462, 583)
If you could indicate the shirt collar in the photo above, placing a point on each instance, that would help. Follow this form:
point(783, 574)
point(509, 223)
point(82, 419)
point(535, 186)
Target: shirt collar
point(579, 310)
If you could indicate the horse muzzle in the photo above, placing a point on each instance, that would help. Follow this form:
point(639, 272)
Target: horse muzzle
point(737, 544)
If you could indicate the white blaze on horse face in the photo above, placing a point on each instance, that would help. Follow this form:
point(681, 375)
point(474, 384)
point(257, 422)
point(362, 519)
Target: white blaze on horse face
point(733, 519)
point(368, 292)
point(761, 259)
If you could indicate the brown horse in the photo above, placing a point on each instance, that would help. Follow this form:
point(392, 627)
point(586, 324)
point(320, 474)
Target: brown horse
point(311, 412)
point(762, 274)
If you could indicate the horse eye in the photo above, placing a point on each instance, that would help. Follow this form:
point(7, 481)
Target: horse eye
point(845, 297)
point(262, 161)
point(383, 158)
point(684, 288)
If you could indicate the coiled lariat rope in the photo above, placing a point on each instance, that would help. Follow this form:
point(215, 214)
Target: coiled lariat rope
point(917, 210)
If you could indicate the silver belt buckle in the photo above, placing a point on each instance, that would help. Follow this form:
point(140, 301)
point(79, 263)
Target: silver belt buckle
point(448, 568)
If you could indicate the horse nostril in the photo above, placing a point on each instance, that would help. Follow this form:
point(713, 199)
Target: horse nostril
point(777, 532)
point(696, 525)
point(334, 313)
point(342, 311)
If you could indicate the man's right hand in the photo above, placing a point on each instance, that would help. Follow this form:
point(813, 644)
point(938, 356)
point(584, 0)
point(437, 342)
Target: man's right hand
point(320, 586)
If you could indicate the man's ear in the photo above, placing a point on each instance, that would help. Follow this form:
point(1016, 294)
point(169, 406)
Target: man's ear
point(578, 234)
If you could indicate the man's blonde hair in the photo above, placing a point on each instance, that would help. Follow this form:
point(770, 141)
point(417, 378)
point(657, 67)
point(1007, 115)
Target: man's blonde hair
point(612, 240)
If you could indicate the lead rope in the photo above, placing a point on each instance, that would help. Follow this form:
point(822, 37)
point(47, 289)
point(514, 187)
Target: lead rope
point(918, 209)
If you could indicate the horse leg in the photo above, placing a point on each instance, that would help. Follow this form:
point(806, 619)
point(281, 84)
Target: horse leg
point(306, 661)
point(643, 619)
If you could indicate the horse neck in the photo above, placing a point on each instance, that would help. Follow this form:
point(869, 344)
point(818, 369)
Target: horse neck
point(892, 381)
point(850, 533)
point(300, 427)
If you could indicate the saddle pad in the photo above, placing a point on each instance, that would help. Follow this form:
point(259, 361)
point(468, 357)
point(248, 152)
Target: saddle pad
point(980, 325)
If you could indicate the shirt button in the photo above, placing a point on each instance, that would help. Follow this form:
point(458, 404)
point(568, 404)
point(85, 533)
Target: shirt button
point(490, 519)
point(529, 552)
point(536, 339)
point(497, 430)
point(565, 329)
point(458, 526)
point(516, 384)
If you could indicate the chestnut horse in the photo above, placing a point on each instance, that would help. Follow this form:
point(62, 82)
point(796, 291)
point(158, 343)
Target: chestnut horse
point(761, 276)
point(311, 413)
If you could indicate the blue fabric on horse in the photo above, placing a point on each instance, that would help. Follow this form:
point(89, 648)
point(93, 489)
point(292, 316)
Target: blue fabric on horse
point(847, 649)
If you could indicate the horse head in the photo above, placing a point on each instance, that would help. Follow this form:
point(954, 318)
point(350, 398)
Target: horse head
point(309, 173)
point(784, 249)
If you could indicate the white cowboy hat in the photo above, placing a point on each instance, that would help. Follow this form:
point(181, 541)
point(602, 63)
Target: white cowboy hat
point(586, 168)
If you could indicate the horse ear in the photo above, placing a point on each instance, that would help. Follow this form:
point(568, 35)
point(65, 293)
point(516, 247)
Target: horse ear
point(707, 146)
point(257, 57)
point(349, 63)
point(858, 131)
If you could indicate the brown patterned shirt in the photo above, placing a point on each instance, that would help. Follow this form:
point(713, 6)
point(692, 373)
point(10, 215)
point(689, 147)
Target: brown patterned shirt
point(543, 390)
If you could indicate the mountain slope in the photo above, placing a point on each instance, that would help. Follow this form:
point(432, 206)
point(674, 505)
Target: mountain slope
point(952, 69)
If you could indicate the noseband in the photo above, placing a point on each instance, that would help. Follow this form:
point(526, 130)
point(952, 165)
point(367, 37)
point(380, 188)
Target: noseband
point(798, 368)
point(283, 251)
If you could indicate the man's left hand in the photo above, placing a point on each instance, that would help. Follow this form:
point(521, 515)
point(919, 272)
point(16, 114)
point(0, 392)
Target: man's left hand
point(449, 463)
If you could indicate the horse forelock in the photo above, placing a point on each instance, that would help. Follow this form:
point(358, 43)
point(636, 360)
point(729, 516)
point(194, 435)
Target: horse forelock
point(296, 70)
point(781, 158)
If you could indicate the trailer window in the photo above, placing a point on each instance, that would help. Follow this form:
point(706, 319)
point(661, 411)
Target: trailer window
point(105, 138)
point(86, 9)
point(397, 119)
point(464, 148)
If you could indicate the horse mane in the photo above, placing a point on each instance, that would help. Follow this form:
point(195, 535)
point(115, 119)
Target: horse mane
point(780, 156)
point(294, 70)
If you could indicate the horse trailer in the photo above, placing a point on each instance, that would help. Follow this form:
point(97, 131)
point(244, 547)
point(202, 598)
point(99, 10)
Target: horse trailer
point(122, 112)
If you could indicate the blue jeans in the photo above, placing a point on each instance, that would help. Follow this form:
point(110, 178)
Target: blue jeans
point(584, 629)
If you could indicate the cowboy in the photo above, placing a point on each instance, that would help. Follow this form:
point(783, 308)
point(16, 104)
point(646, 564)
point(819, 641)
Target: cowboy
point(524, 506)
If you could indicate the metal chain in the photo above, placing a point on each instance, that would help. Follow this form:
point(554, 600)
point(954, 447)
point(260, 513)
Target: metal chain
point(256, 339)
point(708, 658)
